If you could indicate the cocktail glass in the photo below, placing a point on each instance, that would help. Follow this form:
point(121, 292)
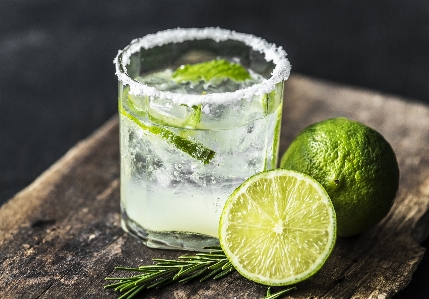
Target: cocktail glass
point(186, 147)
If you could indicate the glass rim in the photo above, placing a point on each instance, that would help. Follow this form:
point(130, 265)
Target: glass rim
point(271, 52)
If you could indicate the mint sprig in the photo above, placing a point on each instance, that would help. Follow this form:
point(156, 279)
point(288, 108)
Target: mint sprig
point(209, 70)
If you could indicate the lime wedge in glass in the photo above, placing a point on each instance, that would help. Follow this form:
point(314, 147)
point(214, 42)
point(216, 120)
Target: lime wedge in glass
point(209, 70)
point(192, 148)
point(278, 228)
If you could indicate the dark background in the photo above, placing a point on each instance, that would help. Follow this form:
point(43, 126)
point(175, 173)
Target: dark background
point(57, 82)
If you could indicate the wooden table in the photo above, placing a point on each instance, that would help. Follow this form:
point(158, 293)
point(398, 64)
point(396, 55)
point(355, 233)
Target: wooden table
point(61, 235)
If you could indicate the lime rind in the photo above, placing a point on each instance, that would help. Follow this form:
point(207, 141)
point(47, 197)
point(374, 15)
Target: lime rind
point(217, 69)
point(256, 249)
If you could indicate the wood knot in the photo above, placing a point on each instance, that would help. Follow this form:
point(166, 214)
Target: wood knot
point(41, 223)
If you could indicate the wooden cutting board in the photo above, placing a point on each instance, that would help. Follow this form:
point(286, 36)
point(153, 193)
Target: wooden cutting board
point(61, 235)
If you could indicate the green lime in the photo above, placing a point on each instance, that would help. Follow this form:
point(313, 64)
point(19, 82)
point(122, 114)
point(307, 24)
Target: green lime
point(355, 165)
point(278, 227)
point(214, 69)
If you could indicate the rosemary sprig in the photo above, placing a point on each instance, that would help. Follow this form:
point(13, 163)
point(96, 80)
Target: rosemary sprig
point(202, 266)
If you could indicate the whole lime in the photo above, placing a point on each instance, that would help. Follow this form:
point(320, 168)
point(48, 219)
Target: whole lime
point(356, 166)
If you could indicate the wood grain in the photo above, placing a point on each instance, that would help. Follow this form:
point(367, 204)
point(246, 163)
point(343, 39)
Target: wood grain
point(61, 235)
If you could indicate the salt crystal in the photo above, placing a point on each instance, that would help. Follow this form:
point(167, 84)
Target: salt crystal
point(206, 109)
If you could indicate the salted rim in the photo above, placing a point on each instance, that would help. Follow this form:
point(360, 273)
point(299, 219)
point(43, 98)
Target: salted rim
point(272, 53)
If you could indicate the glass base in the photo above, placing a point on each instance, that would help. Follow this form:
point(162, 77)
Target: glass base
point(167, 239)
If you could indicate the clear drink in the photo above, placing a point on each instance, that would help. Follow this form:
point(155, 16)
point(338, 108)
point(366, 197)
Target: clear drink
point(185, 146)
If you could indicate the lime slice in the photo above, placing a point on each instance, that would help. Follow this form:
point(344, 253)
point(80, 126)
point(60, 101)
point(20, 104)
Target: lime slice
point(194, 149)
point(278, 227)
point(214, 69)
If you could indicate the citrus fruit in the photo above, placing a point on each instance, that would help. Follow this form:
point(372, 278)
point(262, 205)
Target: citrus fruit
point(208, 70)
point(355, 165)
point(278, 227)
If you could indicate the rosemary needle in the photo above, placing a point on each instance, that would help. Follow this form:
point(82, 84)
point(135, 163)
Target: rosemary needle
point(278, 294)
